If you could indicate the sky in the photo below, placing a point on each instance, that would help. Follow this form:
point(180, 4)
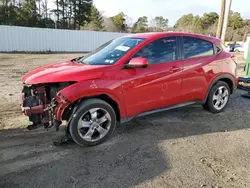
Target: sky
point(171, 9)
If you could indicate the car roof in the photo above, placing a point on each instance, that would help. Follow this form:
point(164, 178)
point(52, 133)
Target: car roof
point(154, 35)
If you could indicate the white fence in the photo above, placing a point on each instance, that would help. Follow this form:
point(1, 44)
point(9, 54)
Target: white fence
point(25, 39)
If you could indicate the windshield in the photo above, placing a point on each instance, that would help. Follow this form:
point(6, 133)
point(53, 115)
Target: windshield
point(110, 52)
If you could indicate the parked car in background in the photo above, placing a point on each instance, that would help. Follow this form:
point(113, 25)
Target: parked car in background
point(127, 77)
point(230, 47)
point(239, 48)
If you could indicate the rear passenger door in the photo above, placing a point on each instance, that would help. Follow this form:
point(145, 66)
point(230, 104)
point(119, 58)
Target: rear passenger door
point(197, 54)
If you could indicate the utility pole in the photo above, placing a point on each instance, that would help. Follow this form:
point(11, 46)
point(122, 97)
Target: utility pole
point(225, 23)
point(221, 19)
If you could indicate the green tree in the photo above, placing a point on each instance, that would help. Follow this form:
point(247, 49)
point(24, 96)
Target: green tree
point(160, 24)
point(4, 4)
point(184, 22)
point(63, 6)
point(246, 29)
point(96, 23)
point(72, 13)
point(46, 23)
point(237, 28)
point(8, 12)
point(28, 15)
point(189, 23)
point(109, 25)
point(76, 14)
point(83, 12)
point(141, 25)
point(235, 20)
point(197, 25)
point(209, 19)
point(119, 21)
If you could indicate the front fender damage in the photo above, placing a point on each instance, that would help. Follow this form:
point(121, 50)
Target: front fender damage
point(62, 104)
point(50, 104)
point(96, 88)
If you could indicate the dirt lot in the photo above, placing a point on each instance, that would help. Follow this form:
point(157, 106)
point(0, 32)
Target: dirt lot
point(183, 148)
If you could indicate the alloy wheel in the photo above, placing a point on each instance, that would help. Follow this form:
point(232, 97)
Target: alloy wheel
point(220, 98)
point(94, 124)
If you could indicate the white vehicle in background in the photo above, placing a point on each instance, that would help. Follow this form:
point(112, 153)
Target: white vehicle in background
point(239, 48)
point(246, 45)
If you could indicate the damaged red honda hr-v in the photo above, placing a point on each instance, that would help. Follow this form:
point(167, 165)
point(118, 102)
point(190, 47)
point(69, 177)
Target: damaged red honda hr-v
point(130, 76)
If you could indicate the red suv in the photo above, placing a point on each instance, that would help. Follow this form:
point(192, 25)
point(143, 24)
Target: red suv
point(128, 77)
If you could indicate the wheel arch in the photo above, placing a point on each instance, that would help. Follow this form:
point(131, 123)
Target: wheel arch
point(105, 97)
point(227, 78)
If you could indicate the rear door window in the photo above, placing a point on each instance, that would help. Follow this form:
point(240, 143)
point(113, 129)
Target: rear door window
point(194, 47)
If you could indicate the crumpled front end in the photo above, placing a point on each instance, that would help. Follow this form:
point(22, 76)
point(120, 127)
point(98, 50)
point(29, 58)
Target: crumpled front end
point(43, 104)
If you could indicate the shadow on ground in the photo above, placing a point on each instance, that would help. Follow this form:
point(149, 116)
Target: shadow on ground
point(131, 157)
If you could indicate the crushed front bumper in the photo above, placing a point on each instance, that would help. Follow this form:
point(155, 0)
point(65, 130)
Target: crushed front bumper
point(43, 112)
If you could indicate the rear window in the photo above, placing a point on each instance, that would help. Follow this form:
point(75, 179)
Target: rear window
point(194, 47)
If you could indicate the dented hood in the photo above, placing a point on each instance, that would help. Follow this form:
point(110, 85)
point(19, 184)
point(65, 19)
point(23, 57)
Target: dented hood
point(62, 72)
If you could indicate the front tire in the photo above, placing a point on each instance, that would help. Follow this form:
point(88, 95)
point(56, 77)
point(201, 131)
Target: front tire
point(218, 97)
point(93, 122)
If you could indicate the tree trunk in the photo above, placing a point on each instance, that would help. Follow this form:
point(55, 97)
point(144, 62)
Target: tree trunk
point(70, 14)
point(46, 9)
point(5, 11)
point(75, 15)
point(39, 7)
point(57, 14)
point(78, 13)
point(63, 14)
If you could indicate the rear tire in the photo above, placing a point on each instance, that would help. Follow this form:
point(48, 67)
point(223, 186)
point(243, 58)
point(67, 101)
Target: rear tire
point(92, 123)
point(218, 97)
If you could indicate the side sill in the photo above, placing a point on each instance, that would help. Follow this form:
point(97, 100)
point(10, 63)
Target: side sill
point(127, 119)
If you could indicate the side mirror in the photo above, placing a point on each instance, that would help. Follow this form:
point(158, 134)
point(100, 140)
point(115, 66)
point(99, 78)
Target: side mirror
point(137, 62)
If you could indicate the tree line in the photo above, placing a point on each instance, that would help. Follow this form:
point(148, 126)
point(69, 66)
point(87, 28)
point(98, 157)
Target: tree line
point(82, 14)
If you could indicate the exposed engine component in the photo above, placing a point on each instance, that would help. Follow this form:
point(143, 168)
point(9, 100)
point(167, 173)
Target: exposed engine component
point(38, 102)
point(33, 110)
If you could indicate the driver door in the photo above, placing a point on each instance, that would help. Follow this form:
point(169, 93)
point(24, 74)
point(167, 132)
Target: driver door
point(159, 84)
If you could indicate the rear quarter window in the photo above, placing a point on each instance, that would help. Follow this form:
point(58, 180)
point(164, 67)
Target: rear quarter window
point(194, 47)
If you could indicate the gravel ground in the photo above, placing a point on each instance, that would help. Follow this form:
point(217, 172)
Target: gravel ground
point(182, 148)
